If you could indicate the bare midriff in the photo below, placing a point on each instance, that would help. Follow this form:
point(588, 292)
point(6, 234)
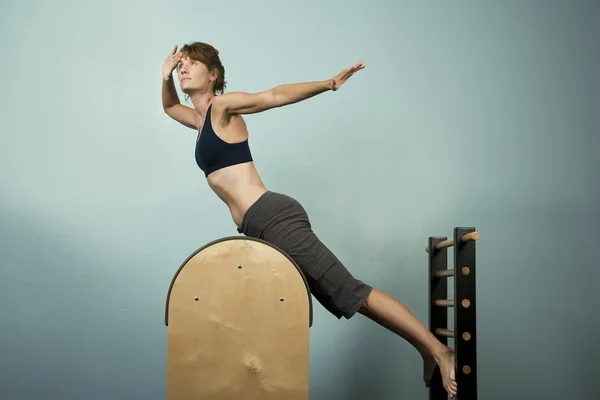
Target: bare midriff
point(239, 186)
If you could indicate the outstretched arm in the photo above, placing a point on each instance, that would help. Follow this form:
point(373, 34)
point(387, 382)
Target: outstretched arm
point(279, 96)
point(282, 95)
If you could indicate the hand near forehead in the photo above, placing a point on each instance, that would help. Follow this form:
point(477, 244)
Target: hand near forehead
point(171, 62)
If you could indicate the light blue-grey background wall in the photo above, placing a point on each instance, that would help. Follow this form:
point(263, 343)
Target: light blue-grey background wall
point(469, 113)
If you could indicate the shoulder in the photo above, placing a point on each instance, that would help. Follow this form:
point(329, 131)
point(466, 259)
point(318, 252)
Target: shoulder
point(225, 101)
point(244, 103)
point(222, 108)
point(219, 108)
point(219, 102)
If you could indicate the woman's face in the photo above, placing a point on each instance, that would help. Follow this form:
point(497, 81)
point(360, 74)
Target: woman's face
point(193, 75)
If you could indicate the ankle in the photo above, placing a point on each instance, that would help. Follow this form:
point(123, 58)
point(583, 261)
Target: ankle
point(442, 351)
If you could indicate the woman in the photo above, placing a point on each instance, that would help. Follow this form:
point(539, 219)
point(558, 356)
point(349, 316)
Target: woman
point(223, 154)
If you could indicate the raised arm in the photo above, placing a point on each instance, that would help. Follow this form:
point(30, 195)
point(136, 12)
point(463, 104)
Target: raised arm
point(171, 105)
point(282, 95)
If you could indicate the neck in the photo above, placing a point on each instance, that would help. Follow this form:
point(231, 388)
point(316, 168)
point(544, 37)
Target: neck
point(201, 102)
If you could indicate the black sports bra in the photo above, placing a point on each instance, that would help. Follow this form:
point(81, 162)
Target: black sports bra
point(213, 153)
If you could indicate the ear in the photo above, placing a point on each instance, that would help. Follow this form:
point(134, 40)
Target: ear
point(214, 74)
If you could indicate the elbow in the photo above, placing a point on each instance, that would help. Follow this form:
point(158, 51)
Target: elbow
point(168, 110)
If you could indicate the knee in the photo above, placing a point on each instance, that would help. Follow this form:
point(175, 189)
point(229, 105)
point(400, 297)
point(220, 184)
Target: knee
point(364, 308)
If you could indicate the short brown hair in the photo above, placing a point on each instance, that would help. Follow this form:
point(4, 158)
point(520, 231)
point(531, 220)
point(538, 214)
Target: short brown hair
point(209, 56)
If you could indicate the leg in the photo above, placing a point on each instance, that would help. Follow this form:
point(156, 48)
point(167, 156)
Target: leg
point(282, 221)
point(396, 317)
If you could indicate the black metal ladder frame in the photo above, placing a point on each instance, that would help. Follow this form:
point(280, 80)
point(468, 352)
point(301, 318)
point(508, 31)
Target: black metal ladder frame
point(465, 305)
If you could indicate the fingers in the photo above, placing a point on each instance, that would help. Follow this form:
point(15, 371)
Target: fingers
point(355, 68)
point(174, 54)
point(345, 74)
point(175, 58)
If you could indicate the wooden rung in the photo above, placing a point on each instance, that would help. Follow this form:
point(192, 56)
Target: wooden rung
point(446, 273)
point(444, 332)
point(444, 303)
point(469, 237)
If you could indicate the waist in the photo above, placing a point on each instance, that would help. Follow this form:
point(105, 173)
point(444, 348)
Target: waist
point(238, 186)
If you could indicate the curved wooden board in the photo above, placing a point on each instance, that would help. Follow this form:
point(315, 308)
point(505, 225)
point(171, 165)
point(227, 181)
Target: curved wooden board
point(238, 325)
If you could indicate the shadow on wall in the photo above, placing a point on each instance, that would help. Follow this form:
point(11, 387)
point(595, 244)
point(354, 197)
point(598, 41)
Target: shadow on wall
point(75, 317)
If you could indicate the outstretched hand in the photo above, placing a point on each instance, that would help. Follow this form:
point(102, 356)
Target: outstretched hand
point(343, 76)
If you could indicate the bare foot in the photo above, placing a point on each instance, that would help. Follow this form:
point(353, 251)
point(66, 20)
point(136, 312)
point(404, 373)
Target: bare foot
point(447, 369)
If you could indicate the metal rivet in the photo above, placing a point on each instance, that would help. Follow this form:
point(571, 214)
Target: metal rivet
point(281, 299)
point(240, 266)
point(196, 298)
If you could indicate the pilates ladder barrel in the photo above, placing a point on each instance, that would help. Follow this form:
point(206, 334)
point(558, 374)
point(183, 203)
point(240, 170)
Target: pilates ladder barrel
point(238, 314)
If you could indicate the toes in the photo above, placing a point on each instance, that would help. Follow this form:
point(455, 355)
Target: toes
point(452, 389)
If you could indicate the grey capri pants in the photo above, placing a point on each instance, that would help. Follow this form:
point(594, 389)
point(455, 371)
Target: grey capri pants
point(282, 221)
